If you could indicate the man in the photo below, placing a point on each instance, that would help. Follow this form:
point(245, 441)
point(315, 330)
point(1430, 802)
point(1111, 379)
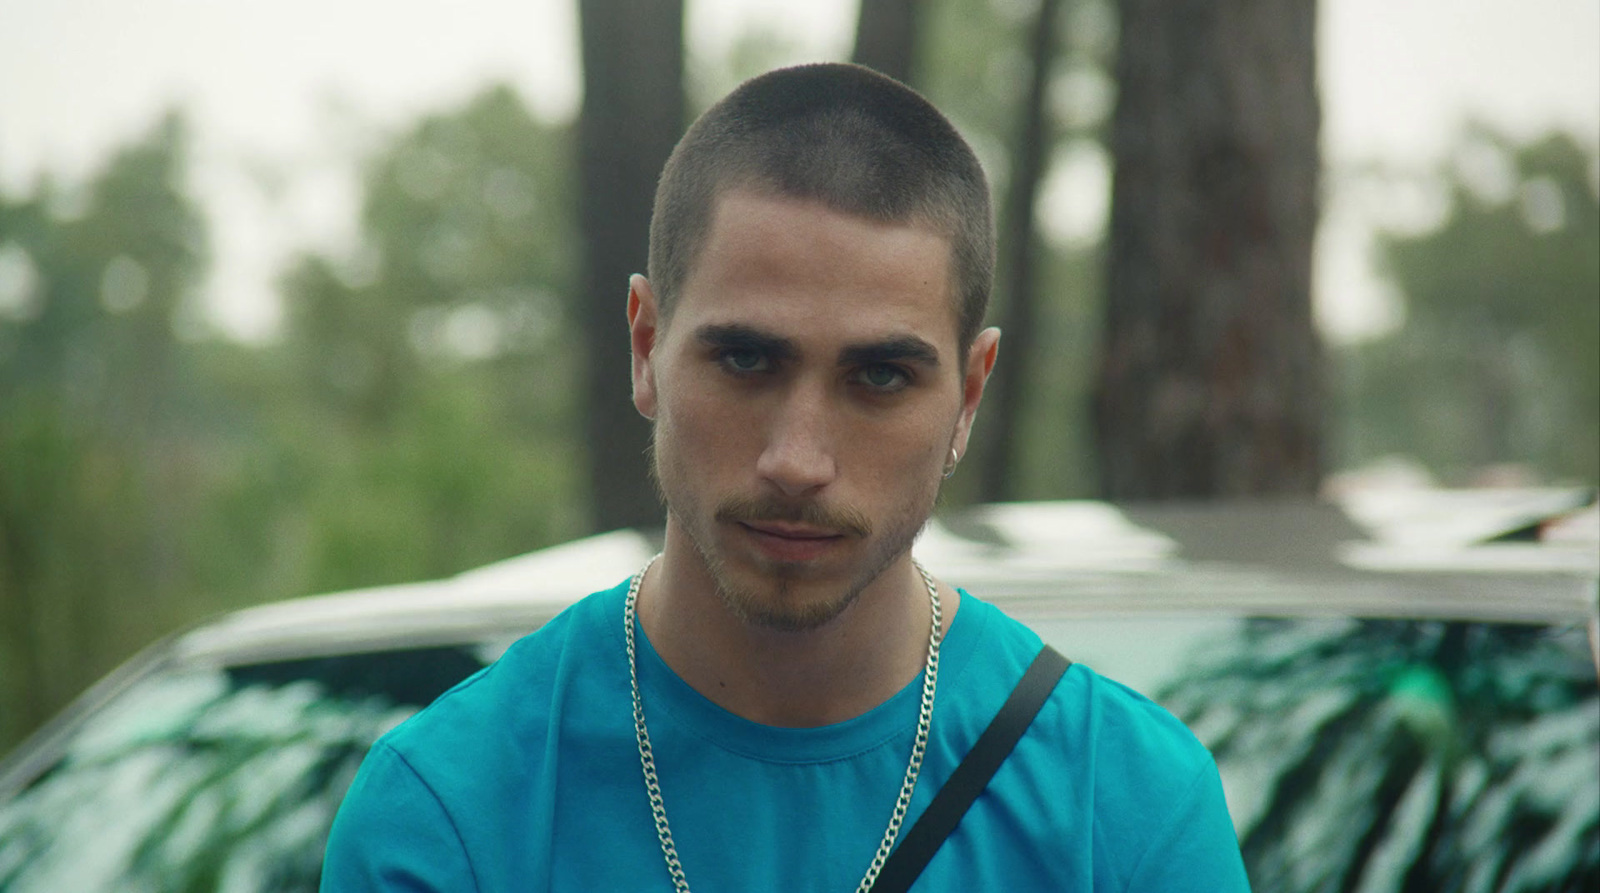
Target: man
point(743, 714)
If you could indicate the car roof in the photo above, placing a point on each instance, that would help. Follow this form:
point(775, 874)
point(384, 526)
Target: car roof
point(1514, 555)
point(1529, 556)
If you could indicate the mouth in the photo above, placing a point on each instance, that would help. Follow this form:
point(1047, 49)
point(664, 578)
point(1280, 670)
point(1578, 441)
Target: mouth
point(789, 542)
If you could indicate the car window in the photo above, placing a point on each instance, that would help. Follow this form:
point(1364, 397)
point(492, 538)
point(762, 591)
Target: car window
point(1382, 754)
point(1356, 755)
point(214, 779)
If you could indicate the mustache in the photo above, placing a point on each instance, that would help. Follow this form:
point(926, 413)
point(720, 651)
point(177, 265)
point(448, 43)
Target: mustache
point(842, 519)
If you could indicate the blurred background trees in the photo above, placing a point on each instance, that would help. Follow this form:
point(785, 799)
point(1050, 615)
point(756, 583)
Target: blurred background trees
point(1495, 371)
point(425, 418)
point(431, 401)
point(105, 468)
point(416, 416)
point(632, 116)
point(1211, 375)
point(887, 34)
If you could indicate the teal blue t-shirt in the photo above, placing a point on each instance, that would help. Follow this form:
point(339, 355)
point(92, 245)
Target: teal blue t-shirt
point(526, 777)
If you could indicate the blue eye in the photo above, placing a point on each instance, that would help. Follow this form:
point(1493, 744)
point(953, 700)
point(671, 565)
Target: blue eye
point(738, 359)
point(884, 377)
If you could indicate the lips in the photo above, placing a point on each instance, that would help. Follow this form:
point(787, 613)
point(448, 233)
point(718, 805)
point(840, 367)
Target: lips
point(792, 531)
point(784, 541)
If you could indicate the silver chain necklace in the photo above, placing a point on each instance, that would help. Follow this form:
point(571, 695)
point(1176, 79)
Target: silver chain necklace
point(647, 760)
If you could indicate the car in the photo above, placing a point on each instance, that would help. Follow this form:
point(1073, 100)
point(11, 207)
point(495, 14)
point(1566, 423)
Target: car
point(1402, 690)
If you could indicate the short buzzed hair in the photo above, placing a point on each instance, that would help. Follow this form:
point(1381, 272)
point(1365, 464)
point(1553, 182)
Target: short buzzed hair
point(843, 135)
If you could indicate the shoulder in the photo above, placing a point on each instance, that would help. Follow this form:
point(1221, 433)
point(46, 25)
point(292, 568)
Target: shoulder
point(1132, 752)
point(1160, 816)
point(498, 712)
point(1115, 762)
point(447, 794)
point(1143, 754)
point(1131, 731)
point(392, 823)
point(1161, 819)
point(1104, 778)
point(1123, 728)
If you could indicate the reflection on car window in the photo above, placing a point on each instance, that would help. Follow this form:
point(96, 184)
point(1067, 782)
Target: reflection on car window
point(214, 779)
point(1383, 754)
point(1357, 755)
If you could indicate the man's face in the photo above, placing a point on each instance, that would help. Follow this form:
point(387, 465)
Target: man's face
point(806, 397)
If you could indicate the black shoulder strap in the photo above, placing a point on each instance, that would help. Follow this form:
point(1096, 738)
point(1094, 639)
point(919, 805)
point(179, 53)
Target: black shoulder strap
point(972, 776)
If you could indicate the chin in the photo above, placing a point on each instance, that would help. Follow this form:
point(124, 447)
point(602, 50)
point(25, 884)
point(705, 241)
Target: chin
point(777, 606)
point(795, 597)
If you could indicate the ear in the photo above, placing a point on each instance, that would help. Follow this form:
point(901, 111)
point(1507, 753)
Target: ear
point(642, 326)
point(980, 362)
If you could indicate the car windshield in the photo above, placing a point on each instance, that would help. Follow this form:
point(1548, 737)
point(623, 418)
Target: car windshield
point(214, 779)
point(1382, 754)
point(1356, 755)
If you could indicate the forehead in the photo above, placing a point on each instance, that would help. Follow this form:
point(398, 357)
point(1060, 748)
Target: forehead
point(799, 263)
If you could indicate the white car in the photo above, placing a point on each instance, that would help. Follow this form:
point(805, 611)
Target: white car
point(1400, 689)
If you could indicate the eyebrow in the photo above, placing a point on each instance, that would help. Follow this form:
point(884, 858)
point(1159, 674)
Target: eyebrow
point(746, 338)
point(900, 348)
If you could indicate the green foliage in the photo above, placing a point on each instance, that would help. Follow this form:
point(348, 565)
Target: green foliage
point(431, 428)
point(95, 488)
point(467, 254)
point(1499, 357)
point(977, 73)
point(1058, 459)
point(414, 419)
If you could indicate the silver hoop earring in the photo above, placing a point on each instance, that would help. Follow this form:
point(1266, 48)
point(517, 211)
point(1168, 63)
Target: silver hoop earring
point(950, 467)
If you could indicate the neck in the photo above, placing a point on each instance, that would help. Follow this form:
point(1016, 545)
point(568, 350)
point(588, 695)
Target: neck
point(828, 674)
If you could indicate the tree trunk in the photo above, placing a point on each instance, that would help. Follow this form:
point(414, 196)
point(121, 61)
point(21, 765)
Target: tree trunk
point(886, 37)
point(1210, 380)
point(633, 109)
point(999, 435)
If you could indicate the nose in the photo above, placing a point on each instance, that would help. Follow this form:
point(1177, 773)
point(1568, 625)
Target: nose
point(798, 456)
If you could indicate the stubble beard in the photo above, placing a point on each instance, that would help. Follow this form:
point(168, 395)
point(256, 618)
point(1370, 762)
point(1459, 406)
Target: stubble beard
point(773, 606)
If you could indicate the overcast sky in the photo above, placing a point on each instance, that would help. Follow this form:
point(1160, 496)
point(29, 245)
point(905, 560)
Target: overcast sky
point(290, 85)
